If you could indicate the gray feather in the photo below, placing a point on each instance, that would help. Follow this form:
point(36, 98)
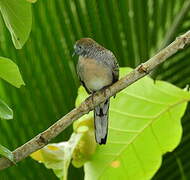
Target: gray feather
point(101, 113)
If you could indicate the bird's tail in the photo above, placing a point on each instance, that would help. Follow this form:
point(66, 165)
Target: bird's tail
point(101, 113)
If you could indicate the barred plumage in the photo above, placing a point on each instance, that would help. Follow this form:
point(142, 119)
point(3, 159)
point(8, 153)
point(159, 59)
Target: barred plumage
point(97, 68)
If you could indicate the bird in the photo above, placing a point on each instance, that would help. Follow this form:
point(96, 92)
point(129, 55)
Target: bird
point(97, 68)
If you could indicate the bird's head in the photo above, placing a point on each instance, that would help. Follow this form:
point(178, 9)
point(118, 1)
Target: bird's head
point(85, 47)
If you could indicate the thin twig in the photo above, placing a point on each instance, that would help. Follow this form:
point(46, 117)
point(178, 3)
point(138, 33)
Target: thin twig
point(142, 70)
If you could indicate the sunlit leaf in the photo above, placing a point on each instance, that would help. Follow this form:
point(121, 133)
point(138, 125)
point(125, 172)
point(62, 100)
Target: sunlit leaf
point(58, 156)
point(6, 153)
point(9, 72)
point(87, 144)
point(79, 148)
point(144, 125)
point(18, 19)
point(5, 111)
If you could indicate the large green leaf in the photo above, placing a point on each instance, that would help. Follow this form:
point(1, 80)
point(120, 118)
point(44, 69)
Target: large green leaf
point(157, 127)
point(144, 125)
point(5, 111)
point(18, 19)
point(9, 72)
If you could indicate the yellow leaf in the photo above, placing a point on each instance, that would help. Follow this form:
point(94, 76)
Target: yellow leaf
point(37, 156)
point(53, 148)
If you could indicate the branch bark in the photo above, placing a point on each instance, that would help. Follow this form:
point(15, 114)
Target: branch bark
point(142, 70)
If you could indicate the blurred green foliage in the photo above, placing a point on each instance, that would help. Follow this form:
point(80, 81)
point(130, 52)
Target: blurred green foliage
point(134, 30)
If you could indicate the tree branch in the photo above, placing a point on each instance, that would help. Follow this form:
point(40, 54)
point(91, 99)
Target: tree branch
point(43, 138)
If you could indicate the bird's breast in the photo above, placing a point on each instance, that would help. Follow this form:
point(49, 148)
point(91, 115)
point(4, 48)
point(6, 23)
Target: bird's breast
point(94, 74)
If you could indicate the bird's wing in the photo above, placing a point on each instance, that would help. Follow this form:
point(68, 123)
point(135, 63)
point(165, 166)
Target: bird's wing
point(115, 69)
point(110, 60)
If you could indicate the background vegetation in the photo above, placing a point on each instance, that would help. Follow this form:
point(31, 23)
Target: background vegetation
point(134, 30)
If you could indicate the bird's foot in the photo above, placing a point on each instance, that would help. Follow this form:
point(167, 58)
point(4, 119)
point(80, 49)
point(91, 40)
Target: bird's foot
point(105, 89)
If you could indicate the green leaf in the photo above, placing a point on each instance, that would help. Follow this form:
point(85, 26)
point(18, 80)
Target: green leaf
point(6, 153)
point(5, 111)
point(18, 19)
point(9, 72)
point(144, 125)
